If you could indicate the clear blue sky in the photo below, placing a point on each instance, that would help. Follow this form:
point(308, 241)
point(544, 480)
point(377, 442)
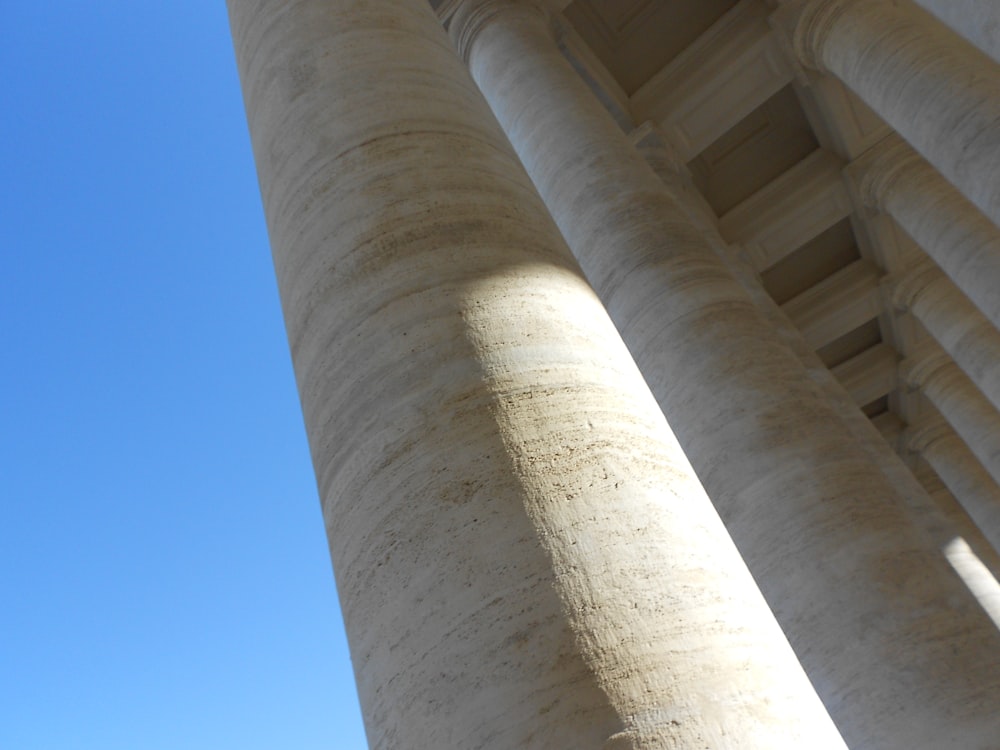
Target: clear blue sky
point(164, 577)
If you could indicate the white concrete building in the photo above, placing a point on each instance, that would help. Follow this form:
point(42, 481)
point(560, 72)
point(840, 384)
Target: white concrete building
point(649, 352)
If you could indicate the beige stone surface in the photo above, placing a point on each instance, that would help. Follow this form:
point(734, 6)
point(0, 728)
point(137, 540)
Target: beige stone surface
point(524, 556)
point(826, 535)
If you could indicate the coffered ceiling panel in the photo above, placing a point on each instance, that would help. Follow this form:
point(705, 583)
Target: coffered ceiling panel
point(769, 141)
point(635, 38)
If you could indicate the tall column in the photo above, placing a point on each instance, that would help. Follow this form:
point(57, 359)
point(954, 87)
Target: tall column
point(962, 474)
point(955, 324)
point(959, 402)
point(924, 81)
point(942, 524)
point(976, 20)
point(524, 556)
point(825, 534)
point(965, 244)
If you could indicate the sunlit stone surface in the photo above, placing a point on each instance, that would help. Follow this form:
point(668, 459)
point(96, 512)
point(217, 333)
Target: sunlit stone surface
point(524, 514)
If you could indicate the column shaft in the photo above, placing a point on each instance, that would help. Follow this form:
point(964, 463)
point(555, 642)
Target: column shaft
point(524, 556)
point(963, 242)
point(955, 323)
point(921, 79)
point(976, 20)
point(825, 534)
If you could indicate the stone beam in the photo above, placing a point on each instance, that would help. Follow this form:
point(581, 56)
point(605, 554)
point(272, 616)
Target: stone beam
point(870, 375)
point(732, 69)
point(838, 304)
point(787, 213)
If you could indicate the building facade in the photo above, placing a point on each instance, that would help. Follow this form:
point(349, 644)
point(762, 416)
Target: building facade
point(649, 353)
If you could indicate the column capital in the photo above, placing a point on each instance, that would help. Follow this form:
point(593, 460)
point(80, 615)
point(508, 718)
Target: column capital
point(650, 139)
point(927, 431)
point(905, 287)
point(808, 23)
point(881, 168)
point(925, 363)
point(472, 16)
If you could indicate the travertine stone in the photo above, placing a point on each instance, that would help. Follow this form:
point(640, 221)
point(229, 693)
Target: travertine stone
point(964, 243)
point(827, 537)
point(976, 20)
point(955, 324)
point(961, 472)
point(928, 84)
point(959, 401)
point(943, 519)
point(524, 556)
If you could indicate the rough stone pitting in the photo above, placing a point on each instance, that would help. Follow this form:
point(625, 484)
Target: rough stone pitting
point(730, 387)
point(524, 555)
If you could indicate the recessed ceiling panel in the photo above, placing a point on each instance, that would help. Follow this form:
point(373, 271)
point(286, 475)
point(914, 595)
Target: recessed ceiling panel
point(766, 143)
point(635, 38)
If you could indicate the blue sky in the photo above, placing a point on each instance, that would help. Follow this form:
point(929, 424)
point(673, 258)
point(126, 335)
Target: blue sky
point(164, 576)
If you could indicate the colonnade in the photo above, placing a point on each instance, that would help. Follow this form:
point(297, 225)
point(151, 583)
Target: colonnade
point(938, 95)
point(971, 340)
point(961, 241)
point(958, 468)
point(584, 483)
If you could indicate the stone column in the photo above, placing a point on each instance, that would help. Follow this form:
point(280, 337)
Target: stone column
point(959, 402)
point(962, 474)
point(943, 524)
point(827, 537)
point(976, 20)
point(965, 244)
point(524, 556)
point(921, 79)
point(954, 322)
